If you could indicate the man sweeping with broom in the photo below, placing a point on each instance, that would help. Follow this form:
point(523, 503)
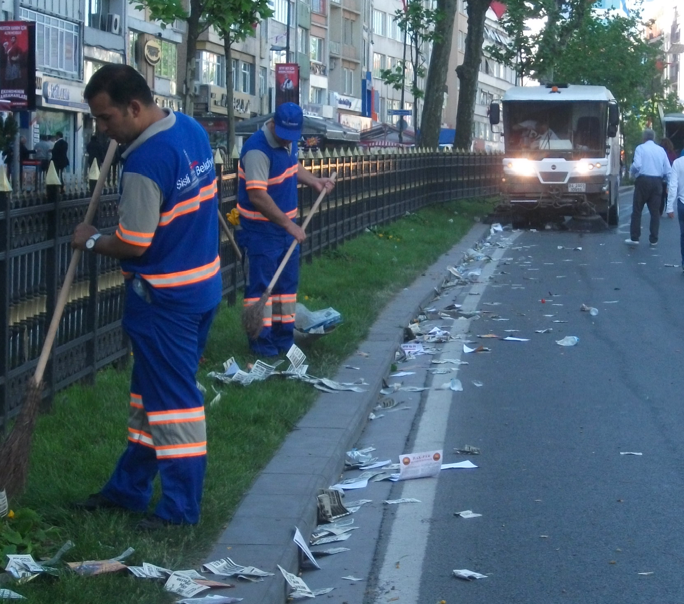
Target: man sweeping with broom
point(267, 201)
point(167, 242)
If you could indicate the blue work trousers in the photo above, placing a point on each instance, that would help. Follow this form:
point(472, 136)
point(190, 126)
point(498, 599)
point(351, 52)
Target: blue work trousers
point(166, 432)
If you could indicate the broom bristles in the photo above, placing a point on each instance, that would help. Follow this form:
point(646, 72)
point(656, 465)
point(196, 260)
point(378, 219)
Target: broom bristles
point(14, 451)
point(253, 316)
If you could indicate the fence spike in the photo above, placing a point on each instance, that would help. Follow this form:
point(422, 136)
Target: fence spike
point(218, 158)
point(334, 154)
point(234, 153)
point(300, 154)
point(94, 172)
point(52, 178)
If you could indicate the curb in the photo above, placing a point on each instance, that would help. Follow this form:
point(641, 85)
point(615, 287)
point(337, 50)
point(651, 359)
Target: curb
point(312, 456)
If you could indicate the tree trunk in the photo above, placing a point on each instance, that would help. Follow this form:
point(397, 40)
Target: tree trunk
point(437, 73)
point(468, 73)
point(416, 66)
point(228, 50)
point(194, 31)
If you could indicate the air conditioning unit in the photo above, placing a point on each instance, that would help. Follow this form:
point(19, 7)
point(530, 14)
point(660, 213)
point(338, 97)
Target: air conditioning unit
point(196, 88)
point(114, 23)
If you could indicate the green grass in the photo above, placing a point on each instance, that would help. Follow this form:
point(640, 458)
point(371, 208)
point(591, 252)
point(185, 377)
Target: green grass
point(76, 446)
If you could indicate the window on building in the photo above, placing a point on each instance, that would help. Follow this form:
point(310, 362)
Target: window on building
point(302, 39)
point(316, 49)
point(210, 68)
point(348, 81)
point(348, 31)
point(247, 78)
point(383, 109)
point(279, 8)
point(235, 64)
point(318, 6)
point(96, 13)
point(378, 64)
point(263, 81)
point(316, 95)
point(379, 23)
point(168, 64)
point(132, 41)
point(58, 43)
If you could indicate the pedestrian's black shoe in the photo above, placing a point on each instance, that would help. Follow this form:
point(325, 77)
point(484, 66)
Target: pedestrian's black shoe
point(96, 501)
point(152, 523)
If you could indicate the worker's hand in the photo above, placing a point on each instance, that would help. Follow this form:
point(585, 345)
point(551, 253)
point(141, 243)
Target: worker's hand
point(296, 231)
point(324, 183)
point(82, 233)
point(670, 215)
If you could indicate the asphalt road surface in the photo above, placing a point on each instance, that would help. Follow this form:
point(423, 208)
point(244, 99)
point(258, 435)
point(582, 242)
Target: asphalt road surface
point(566, 516)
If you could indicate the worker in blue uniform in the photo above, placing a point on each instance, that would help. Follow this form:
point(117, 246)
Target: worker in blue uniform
point(268, 173)
point(167, 243)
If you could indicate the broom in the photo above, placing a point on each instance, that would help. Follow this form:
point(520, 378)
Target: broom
point(14, 451)
point(253, 315)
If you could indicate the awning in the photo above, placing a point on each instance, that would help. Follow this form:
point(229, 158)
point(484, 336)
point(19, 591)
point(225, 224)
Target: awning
point(313, 126)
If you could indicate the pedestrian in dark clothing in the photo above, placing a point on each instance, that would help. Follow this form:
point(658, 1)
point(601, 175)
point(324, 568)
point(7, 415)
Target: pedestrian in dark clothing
point(649, 169)
point(60, 154)
point(96, 150)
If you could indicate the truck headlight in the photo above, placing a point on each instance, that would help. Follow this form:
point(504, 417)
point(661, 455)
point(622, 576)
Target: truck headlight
point(584, 167)
point(522, 167)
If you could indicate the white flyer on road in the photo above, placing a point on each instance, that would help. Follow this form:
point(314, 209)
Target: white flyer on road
point(297, 584)
point(420, 465)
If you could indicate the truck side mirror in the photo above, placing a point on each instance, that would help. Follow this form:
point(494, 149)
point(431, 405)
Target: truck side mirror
point(494, 114)
point(613, 118)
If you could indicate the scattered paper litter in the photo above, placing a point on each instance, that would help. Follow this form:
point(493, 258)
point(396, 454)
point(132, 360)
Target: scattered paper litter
point(419, 465)
point(210, 599)
point(458, 465)
point(228, 568)
point(467, 514)
point(454, 385)
point(547, 330)
point(183, 586)
point(352, 578)
point(296, 583)
point(331, 539)
point(514, 339)
point(568, 341)
point(331, 551)
point(468, 450)
point(468, 575)
point(402, 374)
point(302, 544)
point(403, 500)
point(468, 350)
point(7, 594)
point(630, 453)
point(477, 383)
point(645, 574)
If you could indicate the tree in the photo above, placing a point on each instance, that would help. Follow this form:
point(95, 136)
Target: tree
point(418, 23)
point(468, 73)
point(437, 73)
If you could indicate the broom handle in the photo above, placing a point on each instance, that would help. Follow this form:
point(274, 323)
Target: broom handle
point(71, 271)
point(294, 244)
point(229, 234)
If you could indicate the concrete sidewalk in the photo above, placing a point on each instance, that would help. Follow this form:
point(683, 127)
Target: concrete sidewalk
point(312, 456)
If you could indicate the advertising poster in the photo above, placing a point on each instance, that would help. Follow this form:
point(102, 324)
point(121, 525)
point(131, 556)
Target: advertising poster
point(18, 64)
point(287, 83)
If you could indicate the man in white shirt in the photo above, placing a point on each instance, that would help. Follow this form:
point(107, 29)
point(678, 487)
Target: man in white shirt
point(650, 167)
point(675, 195)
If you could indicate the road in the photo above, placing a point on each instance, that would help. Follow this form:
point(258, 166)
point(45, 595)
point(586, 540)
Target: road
point(566, 517)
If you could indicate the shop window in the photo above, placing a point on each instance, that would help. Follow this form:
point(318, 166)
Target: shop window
point(58, 45)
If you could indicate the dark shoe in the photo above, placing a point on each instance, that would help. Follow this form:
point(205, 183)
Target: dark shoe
point(653, 243)
point(152, 523)
point(95, 502)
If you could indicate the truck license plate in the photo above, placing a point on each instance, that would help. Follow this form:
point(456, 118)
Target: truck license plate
point(577, 187)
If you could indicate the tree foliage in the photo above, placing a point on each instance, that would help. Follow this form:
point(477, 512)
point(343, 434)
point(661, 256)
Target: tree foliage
point(417, 22)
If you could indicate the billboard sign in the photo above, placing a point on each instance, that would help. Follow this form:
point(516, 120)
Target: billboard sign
point(287, 83)
point(18, 64)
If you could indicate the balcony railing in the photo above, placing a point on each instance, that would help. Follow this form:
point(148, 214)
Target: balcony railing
point(318, 69)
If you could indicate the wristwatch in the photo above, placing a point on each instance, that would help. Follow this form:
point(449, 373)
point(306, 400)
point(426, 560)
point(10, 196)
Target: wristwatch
point(90, 243)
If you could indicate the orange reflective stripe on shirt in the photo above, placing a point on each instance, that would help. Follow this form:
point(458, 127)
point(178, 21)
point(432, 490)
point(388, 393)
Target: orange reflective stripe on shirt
point(134, 238)
point(176, 416)
point(201, 273)
point(189, 205)
point(259, 216)
point(290, 172)
point(252, 184)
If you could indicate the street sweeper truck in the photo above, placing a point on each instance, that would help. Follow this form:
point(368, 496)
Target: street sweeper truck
point(562, 152)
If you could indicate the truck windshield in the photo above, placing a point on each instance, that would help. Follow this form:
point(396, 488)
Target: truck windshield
point(555, 129)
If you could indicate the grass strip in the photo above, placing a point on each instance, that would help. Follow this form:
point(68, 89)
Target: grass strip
point(76, 446)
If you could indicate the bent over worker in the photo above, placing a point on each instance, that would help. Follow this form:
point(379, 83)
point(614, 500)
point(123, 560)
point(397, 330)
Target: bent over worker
point(167, 242)
point(267, 201)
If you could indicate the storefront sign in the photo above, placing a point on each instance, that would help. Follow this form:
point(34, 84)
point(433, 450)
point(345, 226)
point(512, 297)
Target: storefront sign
point(66, 95)
point(18, 63)
point(348, 103)
point(152, 52)
point(356, 122)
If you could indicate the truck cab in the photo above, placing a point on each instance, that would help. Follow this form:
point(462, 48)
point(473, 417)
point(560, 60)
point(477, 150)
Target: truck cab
point(562, 156)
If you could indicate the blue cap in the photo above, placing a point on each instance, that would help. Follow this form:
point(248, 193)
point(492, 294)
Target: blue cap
point(289, 121)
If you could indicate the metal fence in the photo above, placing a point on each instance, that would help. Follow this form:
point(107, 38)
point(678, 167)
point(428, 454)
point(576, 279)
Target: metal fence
point(35, 236)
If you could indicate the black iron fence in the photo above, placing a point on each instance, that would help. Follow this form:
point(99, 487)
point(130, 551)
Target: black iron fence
point(35, 235)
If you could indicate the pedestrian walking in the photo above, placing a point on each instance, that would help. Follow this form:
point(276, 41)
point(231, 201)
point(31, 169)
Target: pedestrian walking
point(650, 167)
point(666, 144)
point(60, 155)
point(268, 174)
point(167, 243)
point(675, 195)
